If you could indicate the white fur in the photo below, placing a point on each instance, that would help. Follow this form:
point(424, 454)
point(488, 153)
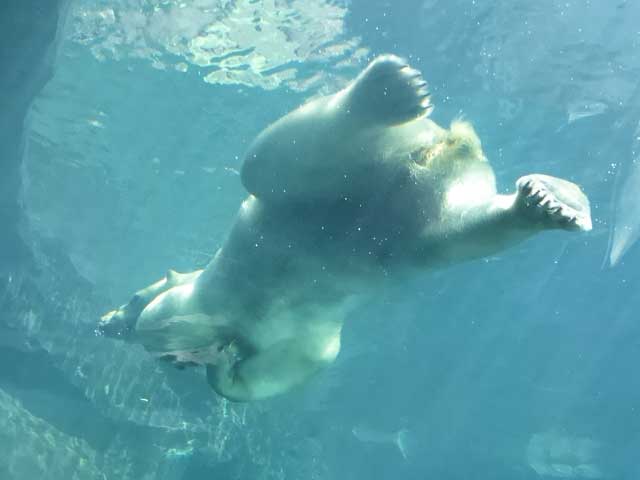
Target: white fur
point(347, 194)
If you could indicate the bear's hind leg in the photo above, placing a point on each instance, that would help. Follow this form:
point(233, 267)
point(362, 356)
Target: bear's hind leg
point(275, 370)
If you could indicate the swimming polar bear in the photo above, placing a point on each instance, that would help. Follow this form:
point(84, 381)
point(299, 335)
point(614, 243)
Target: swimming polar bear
point(347, 193)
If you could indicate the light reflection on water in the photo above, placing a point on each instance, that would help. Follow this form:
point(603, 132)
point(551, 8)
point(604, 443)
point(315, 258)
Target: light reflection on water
point(625, 228)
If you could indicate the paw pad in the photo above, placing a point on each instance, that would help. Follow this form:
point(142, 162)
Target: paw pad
point(554, 202)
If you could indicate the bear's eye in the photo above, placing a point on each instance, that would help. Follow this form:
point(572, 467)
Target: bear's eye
point(464, 149)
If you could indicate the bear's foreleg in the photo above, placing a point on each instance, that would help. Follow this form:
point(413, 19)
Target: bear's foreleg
point(540, 203)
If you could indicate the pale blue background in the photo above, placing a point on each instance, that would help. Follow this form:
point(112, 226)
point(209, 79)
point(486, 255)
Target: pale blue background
point(472, 361)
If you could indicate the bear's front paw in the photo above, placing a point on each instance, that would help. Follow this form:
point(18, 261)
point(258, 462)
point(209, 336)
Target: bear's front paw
point(390, 92)
point(553, 202)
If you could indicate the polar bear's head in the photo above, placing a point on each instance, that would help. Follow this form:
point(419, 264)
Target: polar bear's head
point(456, 149)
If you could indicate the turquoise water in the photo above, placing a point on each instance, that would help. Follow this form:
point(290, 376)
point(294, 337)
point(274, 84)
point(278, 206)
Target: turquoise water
point(518, 366)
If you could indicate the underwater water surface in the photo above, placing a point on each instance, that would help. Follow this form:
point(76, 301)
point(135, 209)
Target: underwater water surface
point(522, 365)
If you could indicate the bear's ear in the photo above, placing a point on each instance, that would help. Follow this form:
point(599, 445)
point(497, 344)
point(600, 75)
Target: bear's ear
point(172, 277)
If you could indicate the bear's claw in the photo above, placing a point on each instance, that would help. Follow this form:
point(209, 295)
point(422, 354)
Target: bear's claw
point(390, 92)
point(554, 202)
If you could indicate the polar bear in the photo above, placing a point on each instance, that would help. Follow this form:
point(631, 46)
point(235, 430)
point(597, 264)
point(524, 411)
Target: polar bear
point(347, 193)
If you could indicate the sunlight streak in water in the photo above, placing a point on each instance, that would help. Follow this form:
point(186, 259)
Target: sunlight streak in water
point(626, 227)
